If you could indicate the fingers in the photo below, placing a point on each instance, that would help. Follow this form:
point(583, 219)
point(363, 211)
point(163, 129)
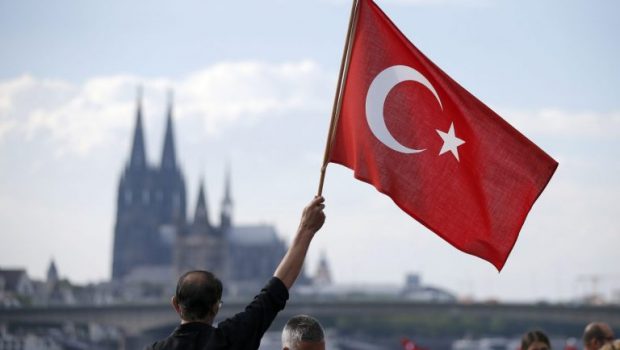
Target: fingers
point(315, 204)
point(313, 216)
point(317, 200)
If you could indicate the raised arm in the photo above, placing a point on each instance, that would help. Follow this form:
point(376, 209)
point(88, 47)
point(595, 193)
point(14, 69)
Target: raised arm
point(312, 220)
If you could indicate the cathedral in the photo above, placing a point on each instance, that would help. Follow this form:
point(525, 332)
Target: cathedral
point(153, 235)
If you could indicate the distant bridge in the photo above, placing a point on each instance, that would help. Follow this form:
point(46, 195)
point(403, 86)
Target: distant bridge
point(138, 318)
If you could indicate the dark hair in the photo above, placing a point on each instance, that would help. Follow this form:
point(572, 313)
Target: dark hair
point(301, 328)
point(595, 330)
point(197, 292)
point(533, 336)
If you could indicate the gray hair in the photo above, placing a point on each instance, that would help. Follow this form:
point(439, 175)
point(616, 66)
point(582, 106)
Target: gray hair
point(301, 328)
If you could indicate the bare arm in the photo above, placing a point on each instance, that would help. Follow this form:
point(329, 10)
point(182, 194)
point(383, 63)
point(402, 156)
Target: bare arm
point(312, 220)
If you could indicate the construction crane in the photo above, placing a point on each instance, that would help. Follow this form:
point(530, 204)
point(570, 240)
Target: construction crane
point(593, 296)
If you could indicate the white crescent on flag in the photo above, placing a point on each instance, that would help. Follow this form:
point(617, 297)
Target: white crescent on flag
point(380, 87)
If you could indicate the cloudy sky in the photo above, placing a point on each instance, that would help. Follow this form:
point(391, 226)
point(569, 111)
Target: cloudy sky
point(253, 83)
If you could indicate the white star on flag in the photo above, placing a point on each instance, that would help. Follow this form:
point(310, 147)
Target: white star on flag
point(450, 142)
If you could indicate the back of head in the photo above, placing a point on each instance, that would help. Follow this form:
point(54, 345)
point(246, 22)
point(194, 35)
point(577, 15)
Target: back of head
point(532, 337)
point(302, 329)
point(197, 292)
point(597, 333)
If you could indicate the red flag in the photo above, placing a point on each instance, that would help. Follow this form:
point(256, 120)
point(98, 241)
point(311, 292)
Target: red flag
point(442, 156)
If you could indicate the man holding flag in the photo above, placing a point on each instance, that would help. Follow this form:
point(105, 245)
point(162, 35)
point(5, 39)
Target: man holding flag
point(198, 299)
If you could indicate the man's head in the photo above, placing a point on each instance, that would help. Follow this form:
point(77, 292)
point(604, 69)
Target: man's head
point(535, 340)
point(596, 335)
point(198, 296)
point(303, 332)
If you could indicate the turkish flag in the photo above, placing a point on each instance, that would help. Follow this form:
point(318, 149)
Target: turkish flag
point(442, 156)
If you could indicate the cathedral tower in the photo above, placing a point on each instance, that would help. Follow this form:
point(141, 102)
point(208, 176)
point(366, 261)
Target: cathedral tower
point(150, 205)
point(227, 204)
point(172, 185)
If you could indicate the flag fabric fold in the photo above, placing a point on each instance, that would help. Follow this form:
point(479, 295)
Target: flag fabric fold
point(443, 157)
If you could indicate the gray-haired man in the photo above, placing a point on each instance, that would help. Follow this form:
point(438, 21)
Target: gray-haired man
point(303, 332)
point(596, 335)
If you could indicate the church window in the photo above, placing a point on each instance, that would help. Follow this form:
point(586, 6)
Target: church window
point(146, 196)
point(176, 201)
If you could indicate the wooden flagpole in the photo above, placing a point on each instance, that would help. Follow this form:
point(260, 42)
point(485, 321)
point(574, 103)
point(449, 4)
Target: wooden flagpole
point(342, 76)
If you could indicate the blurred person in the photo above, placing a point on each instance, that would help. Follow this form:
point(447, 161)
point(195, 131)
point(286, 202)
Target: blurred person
point(198, 298)
point(571, 344)
point(597, 334)
point(303, 332)
point(612, 345)
point(535, 340)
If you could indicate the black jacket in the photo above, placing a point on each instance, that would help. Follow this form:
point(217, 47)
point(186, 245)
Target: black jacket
point(241, 332)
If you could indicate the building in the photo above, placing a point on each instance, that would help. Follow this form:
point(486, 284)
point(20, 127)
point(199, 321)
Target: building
point(151, 208)
point(55, 291)
point(154, 241)
point(323, 275)
point(16, 288)
point(412, 290)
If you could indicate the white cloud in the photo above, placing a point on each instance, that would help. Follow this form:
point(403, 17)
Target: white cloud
point(24, 95)
point(75, 117)
point(557, 122)
point(6, 126)
point(227, 92)
point(79, 117)
point(87, 118)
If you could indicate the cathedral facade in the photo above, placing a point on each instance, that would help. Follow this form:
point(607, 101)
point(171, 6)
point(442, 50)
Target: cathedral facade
point(153, 235)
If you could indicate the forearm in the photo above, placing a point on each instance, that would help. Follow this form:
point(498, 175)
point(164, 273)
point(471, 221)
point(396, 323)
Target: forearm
point(312, 220)
point(290, 267)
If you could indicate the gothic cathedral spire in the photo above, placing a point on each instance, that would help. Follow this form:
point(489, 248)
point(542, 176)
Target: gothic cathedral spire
point(52, 273)
point(227, 203)
point(168, 158)
point(201, 214)
point(138, 154)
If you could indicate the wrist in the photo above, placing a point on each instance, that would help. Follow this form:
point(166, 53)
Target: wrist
point(303, 236)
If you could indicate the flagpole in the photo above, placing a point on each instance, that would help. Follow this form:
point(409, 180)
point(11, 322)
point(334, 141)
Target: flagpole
point(342, 76)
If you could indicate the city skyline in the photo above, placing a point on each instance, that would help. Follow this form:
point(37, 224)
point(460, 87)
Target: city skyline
point(253, 89)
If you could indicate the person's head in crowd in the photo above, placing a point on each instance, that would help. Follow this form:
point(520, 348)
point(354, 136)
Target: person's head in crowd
point(303, 332)
point(597, 334)
point(197, 297)
point(535, 340)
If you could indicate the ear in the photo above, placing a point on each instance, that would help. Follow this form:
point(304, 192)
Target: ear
point(175, 305)
point(215, 309)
